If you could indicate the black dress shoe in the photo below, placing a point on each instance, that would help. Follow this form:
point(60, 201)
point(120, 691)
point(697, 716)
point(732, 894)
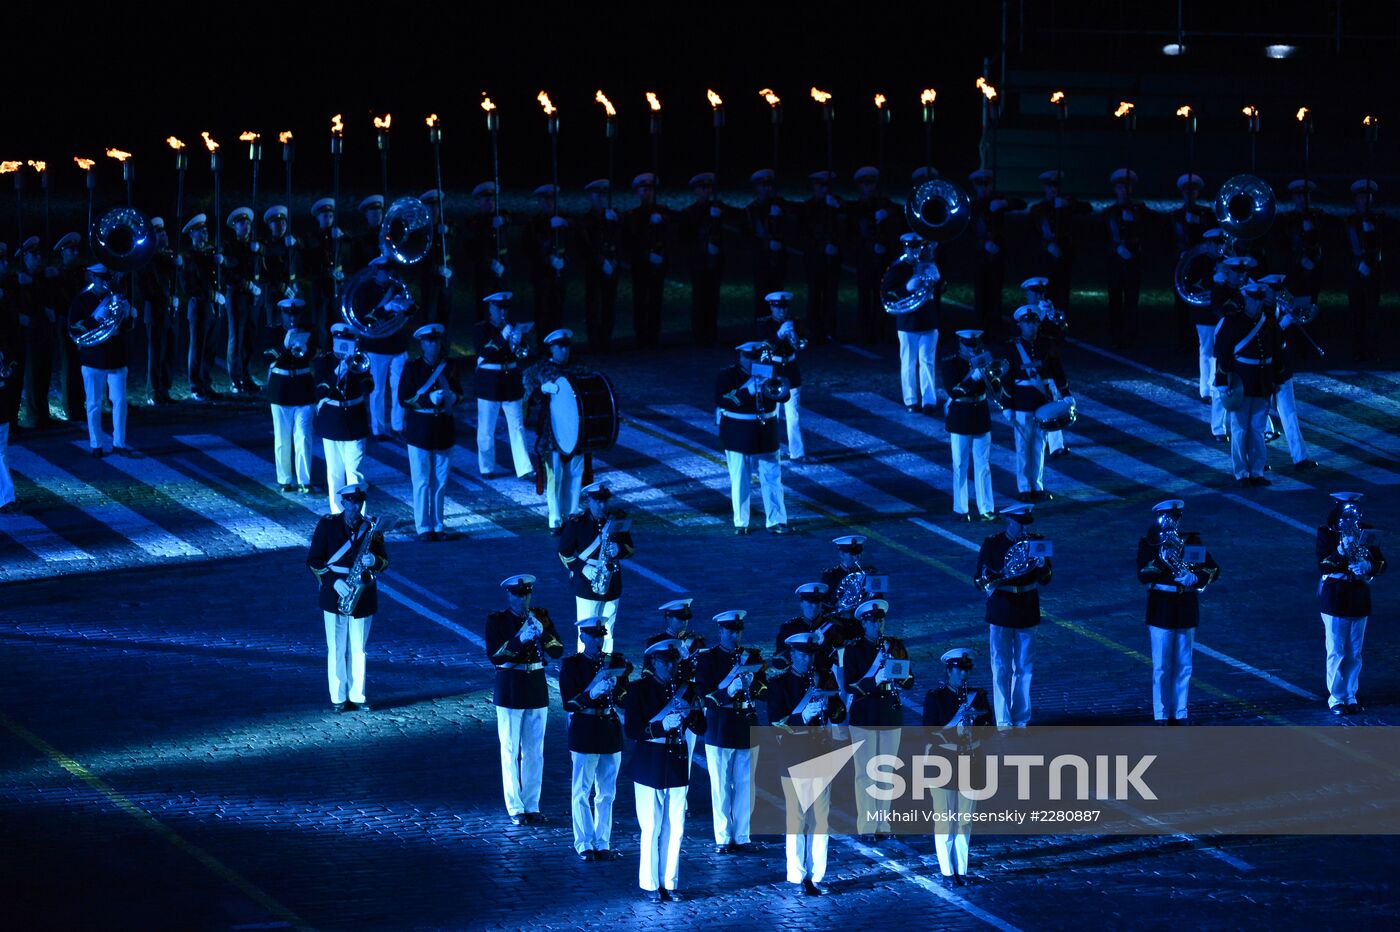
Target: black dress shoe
point(98, 453)
point(1062, 451)
point(965, 517)
point(674, 895)
point(1040, 496)
point(607, 854)
point(536, 818)
point(1205, 399)
point(519, 819)
point(657, 896)
point(1338, 710)
point(304, 490)
point(365, 707)
point(1221, 438)
point(1304, 465)
point(780, 529)
point(959, 880)
point(741, 532)
point(426, 537)
point(1354, 708)
point(721, 849)
point(585, 856)
point(811, 889)
point(338, 706)
point(287, 487)
point(129, 453)
point(352, 707)
point(1026, 497)
point(1259, 480)
point(912, 409)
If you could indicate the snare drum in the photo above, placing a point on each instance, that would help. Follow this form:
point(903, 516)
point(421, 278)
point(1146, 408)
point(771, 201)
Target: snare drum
point(583, 413)
point(1056, 415)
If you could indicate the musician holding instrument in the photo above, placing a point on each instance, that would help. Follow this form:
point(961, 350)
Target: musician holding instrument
point(1011, 574)
point(388, 355)
point(521, 640)
point(811, 619)
point(1364, 238)
point(592, 546)
point(804, 700)
point(1290, 313)
point(847, 582)
point(1175, 567)
point(746, 412)
point(242, 274)
point(430, 388)
point(661, 710)
point(678, 614)
point(593, 685)
point(291, 394)
point(973, 381)
point(318, 258)
point(560, 475)
point(1348, 559)
point(1055, 329)
point(542, 245)
point(875, 670)
point(67, 277)
point(1248, 361)
point(365, 246)
point(341, 421)
point(1036, 379)
point(731, 678)
point(780, 332)
point(103, 365)
point(498, 386)
point(435, 275)
point(158, 286)
point(347, 553)
point(1303, 227)
point(1190, 223)
point(281, 260)
point(1230, 275)
point(955, 708)
point(917, 333)
point(1054, 217)
point(200, 264)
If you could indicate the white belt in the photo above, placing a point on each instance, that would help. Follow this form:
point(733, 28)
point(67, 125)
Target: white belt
point(1028, 383)
point(1336, 576)
point(495, 366)
point(1015, 590)
point(784, 360)
point(735, 415)
point(344, 404)
point(275, 371)
point(1166, 587)
point(1254, 362)
point(525, 667)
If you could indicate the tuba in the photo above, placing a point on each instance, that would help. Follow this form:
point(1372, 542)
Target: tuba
point(123, 239)
point(1245, 208)
point(97, 314)
point(406, 233)
point(937, 212)
point(376, 302)
point(851, 590)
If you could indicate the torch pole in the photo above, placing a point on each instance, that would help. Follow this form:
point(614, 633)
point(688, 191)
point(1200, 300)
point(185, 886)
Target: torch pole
point(777, 126)
point(435, 137)
point(128, 178)
point(719, 126)
point(287, 157)
point(882, 117)
point(337, 146)
point(91, 189)
point(611, 132)
point(656, 144)
point(552, 126)
point(1191, 143)
point(255, 155)
point(19, 204)
point(181, 163)
point(44, 186)
point(1373, 133)
point(928, 138)
point(493, 124)
point(214, 161)
point(384, 163)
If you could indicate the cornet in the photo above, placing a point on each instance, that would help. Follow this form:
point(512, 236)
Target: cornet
point(788, 331)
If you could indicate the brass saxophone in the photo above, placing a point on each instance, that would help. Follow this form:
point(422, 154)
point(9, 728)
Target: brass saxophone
point(850, 591)
point(1171, 549)
point(361, 565)
point(602, 576)
point(1349, 529)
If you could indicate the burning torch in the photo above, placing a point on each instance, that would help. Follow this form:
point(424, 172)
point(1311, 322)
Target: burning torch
point(654, 103)
point(775, 110)
point(5, 169)
point(717, 106)
point(381, 130)
point(610, 133)
point(926, 98)
point(1251, 114)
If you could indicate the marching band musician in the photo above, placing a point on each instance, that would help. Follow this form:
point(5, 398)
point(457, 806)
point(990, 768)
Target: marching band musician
point(487, 244)
point(768, 226)
point(874, 231)
point(205, 305)
point(1363, 273)
point(811, 619)
point(646, 237)
point(520, 642)
point(281, 259)
point(435, 272)
point(339, 546)
point(323, 272)
point(1290, 336)
point(498, 386)
point(1190, 222)
point(823, 218)
point(365, 245)
point(779, 331)
point(68, 277)
point(678, 614)
point(599, 243)
point(1302, 227)
point(1056, 331)
point(1125, 221)
point(1032, 366)
point(917, 332)
point(1247, 361)
point(10, 386)
point(592, 547)
point(660, 712)
point(242, 271)
point(291, 393)
point(1231, 275)
point(157, 284)
point(803, 700)
point(875, 711)
point(1347, 562)
point(430, 388)
point(1053, 217)
point(341, 420)
point(702, 224)
point(849, 547)
point(952, 708)
point(592, 685)
point(1173, 608)
point(1012, 578)
point(729, 698)
point(104, 379)
point(989, 209)
point(388, 355)
point(542, 245)
point(748, 432)
point(971, 391)
point(38, 321)
point(562, 475)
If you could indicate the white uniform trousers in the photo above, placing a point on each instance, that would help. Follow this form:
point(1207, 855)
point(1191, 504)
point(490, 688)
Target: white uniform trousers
point(521, 733)
point(1345, 637)
point(595, 775)
point(770, 483)
point(385, 369)
point(291, 443)
point(1288, 419)
point(1030, 451)
point(429, 470)
point(596, 608)
point(792, 417)
point(873, 741)
point(1012, 658)
point(1171, 670)
point(977, 452)
point(563, 477)
point(345, 656)
point(731, 791)
point(918, 367)
point(1248, 456)
point(7, 482)
point(113, 381)
point(808, 832)
point(343, 458)
point(1055, 440)
point(1205, 361)
point(486, 414)
point(950, 838)
point(661, 816)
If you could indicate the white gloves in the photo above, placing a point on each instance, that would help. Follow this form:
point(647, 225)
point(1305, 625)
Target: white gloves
point(497, 222)
point(254, 290)
point(342, 588)
point(289, 241)
point(775, 211)
point(991, 247)
point(445, 272)
point(672, 721)
point(610, 215)
point(599, 690)
point(219, 299)
point(655, 258)
point(736, 686)
point(715, 212)
point(712, 248)
point(1055, 250)
point(1128, 216)
point(775, 246)
point(608, 267)
point(557, 223)
point(1364, 269)
point(1307, 264)
point(1124, 253)
point(881, 215)
point(337, 232)
point(656, 219)
point(811, 712)
point(832, 202)
point(255, 247)
point(556, 263)
point(550, 387)
point(831, 249)
point(497, 268)
point(436, 396)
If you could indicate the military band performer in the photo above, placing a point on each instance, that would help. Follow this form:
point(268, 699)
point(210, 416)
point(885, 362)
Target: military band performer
point(365, 246)
point(66, 278)
point(600, 246)
point(104, 378)
point(291, 394)
point(281, 260)
point(242, 282)
point(646, 226)
point(158, 284)
point(780, 332)
point(1055, 329)
point(1033, 368)
point(954, 708)
point(562, 475)
point(593, 684)
point(1053, 217)
point(521, 640)
point(205, 305)
point(769, 218)
point(1363, 232)
point(435, 271)
point(811, 619)
point(38, 319)
point(1302, 226)
point(543, 247)
point(1347, 562)
point(972, 385)
point(488, 245)
point(748, 432)
point(1190, 222)
point(430, 388)
point(343, 543)
point(702, 226)
point(678, 614)
point(1125, 222)
point(323, 266)
point(1291, 337)
point(498, 385)
point(823, 219)
point(660, 712)
point(841, 600)
point(730, 697)
point(917, 332)
point(341, 421)
point(592, 547)
point(1247, 367)
point(1226, 298)
point(10, 386)
point(875, 226)
point(875, 710)
point(1011, 579)
point(989, 210)
point(1173, 606)
point(803, 699)
point(388, 354)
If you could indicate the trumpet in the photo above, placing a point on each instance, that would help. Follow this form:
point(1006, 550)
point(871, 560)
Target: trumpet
point(992, 370)
point(788, 331)
point(515, 339)
point(356, 363)
point(773, 389)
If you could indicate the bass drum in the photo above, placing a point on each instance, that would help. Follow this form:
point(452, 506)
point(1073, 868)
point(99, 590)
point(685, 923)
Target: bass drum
point(1056, 415)
point(583, 413)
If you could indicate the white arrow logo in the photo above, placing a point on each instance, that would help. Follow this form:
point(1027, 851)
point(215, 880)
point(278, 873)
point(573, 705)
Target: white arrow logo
point(811, 777)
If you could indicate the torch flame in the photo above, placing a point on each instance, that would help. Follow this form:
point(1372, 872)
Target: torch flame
point(382, 123)
point(545, 103)
point(820, 97)
point(249, 136)
point(653, 101)
point(38, 166)
point(486, 103)
point(174, 143)
point(768, 95)
point(927, 96)
point(7, 167)
point(1184, 110)
point(1369, 120)
point(337, 127)
point(607, 104)
point(1057, 97)
point(879, 101)
point(432, 119)
point(285, 136)
point(1124, 108)
point(1251, 111)
point(1302, 114)
point(209, 142)
point(118, 154)
point(84, 164)
point(714, 98)
point(986, 88)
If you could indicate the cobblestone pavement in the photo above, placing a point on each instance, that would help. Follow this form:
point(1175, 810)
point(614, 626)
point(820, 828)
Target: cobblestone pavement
point(168, 758)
